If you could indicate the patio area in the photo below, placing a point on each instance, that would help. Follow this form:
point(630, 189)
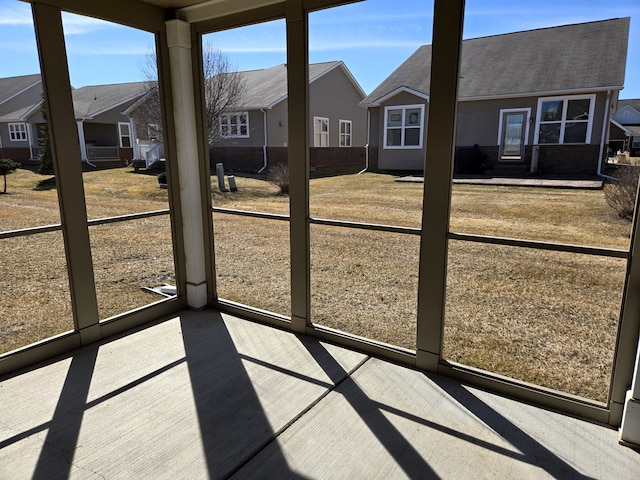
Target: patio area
point(208, 395)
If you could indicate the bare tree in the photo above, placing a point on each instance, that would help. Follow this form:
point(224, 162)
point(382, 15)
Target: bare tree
point(224, 89)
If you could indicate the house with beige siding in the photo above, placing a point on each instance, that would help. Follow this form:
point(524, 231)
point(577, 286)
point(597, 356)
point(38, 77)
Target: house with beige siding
point(536, 101)
point(255, 136)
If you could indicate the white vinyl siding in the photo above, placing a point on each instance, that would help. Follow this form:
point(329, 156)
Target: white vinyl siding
point(403, 126)
point(320, 132)
point(18, 132)
point(565, 119)
point(345, 133)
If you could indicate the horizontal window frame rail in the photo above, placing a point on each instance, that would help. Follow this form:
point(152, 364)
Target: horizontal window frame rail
point(539, 245)
point(130, 216)
point(249, 213)
point(23, 232)
point(511, 242)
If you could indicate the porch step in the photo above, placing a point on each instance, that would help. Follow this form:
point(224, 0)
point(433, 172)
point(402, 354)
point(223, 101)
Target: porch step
point(509, 170)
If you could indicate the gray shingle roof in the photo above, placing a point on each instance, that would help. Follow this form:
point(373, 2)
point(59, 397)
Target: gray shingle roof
point(92, 100)
point(10, 86)
point(585, 56)
point(632, 102)
point(268, 86)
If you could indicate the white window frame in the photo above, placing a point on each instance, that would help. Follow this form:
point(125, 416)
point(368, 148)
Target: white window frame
point(319, 136)
point(346, 136)
point(121, 136)
point(225, 125)
point(563, 122)
point(403, 126)
point(18, 132)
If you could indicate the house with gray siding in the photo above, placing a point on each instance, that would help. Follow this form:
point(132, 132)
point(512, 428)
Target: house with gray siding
point(627, 121)
point(106, 135)
point(534, 101)
point(255, 136)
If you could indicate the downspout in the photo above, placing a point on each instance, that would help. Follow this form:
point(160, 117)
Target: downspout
point(366, 146)
point(264, 147)
point(83, 145)
point(30, 139)
point(605, 128)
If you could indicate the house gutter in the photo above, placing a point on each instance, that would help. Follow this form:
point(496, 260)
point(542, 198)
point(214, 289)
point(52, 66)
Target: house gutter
point(83, 145)
point(605, 128)
point(264, 146)
point(366, 146)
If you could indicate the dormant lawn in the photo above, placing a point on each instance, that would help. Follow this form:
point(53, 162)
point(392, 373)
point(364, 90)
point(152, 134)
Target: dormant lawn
point(545, 317)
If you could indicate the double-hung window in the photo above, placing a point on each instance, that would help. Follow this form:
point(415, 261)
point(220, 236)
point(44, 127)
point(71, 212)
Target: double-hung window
point(345, 133)
point(403, 126)
point(124, 132)
point(18, 132)
point(565, 119)
point(320, 132)
point(234, 125)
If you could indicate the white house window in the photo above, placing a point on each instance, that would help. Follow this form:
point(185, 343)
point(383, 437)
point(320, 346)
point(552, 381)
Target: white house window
point(320, 132)
point(565, 119)
point(124, 132)
point(234, 124)
point(18, 132)
point(345, 133)
point(403, 126)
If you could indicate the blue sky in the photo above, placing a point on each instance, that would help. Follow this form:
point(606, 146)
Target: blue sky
point(371, 37)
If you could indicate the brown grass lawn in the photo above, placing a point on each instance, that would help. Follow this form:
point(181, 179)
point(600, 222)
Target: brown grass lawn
point(544, 317)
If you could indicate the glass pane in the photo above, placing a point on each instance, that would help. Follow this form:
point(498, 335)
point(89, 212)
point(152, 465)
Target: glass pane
point(413, 116)
point(412, 136)
point(394, 118)
point(578, 109)
point(552, 110)
point(549, 133)
point(131, 260)
point(394, 137)
point(574, 216)
point(35, 303)
point(365, 283)
point(32, 201)
point(548, 318)
point(575, 132)
point(252, 262)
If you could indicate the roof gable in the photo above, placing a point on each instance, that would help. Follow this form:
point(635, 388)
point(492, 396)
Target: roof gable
point(13, 86)
point(94, 100)
point(581, 57)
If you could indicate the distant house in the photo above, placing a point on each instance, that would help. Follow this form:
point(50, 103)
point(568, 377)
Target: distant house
point(255, 136)
point(627, 121)
point(18, 95)
point(105, 133)
point(537, 100)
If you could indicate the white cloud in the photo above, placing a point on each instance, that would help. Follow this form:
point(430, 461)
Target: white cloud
point(17, 13)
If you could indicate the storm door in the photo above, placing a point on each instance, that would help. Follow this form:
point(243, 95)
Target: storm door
point(512, 135)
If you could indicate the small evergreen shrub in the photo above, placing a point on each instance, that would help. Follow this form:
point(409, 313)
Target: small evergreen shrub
point(621, 194)
point(279, 176)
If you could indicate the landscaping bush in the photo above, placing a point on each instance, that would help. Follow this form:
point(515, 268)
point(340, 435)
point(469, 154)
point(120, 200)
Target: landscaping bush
point(621, 194)
point(279, 176)
point(7, 166)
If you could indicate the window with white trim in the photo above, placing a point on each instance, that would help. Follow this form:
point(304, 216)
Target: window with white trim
point(124, 133)
point(234, 125)
point(403, 126)
point(18, 132)
point(320, 132)
point(565, 119)
point(345, 133)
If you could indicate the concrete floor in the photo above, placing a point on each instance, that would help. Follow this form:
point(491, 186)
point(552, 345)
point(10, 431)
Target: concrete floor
point(205, 395)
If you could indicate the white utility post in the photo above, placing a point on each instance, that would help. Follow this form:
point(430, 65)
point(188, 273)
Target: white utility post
point(630, 428)
point(184, 111)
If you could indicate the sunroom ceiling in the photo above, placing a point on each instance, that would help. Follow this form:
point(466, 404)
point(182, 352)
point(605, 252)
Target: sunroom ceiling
point(197, 10)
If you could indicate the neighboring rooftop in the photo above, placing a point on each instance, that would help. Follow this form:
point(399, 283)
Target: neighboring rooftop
point(585, 56)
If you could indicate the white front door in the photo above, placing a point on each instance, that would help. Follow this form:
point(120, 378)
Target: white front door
point(512, 136)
